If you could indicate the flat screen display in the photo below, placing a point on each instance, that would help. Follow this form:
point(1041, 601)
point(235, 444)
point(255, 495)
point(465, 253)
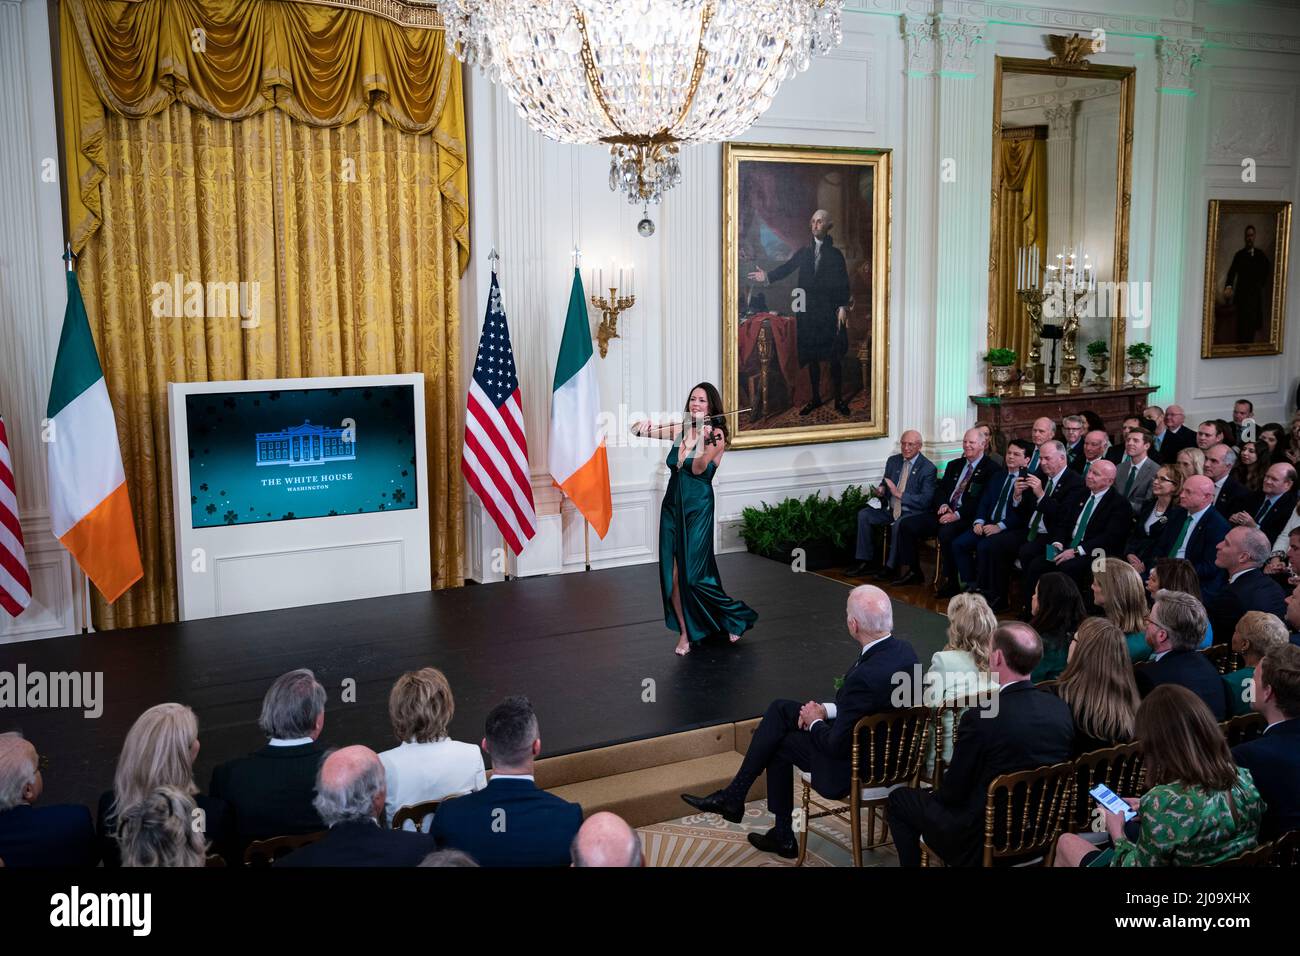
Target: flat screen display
point(300, 453)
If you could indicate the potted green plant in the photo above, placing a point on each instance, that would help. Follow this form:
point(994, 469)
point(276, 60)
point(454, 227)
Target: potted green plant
point(1002, 369)
point(1099, 359)
point(1139, 354)
point(825, 528)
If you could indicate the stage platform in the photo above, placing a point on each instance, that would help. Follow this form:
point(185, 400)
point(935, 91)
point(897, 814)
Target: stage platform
point(581, 646)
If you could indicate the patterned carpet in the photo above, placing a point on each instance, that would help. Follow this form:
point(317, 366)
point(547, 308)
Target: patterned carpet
point(705, 839)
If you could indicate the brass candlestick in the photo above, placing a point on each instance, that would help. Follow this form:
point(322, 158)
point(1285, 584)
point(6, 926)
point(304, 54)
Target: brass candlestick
point(1033, 300)
point(610, 308)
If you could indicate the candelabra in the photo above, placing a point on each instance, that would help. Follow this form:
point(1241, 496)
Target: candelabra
point(1054, 291)
point(611, 308)
point(1033, 300)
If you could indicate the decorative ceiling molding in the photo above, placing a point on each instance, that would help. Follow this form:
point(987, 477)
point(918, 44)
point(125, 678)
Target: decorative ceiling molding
point(1047, 98)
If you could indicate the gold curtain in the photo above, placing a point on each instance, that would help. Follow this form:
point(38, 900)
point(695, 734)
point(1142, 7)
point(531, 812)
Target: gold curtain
point(322, 159)
point(1022, 208)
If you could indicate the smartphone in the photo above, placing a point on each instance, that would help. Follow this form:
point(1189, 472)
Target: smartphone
point(1109, 799)
point(1052, 552)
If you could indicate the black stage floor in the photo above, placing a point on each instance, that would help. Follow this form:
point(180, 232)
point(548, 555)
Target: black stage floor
point(581, 646)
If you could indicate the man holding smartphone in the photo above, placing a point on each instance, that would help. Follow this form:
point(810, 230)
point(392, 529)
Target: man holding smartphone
point(1053, 494)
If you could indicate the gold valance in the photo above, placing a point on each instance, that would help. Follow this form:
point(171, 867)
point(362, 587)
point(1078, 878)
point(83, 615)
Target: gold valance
point(324, 65)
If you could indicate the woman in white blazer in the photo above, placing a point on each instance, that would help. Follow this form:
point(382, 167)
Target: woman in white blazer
point(427, 764)
point(961, 669)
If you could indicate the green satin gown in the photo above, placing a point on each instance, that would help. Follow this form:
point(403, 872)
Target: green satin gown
point(686, 532)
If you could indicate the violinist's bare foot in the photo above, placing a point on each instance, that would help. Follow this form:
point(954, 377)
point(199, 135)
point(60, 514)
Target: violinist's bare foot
point(734, 637)
point(683, 645)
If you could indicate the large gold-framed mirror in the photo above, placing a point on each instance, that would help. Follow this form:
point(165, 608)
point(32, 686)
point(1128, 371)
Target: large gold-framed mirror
point(1062, 172)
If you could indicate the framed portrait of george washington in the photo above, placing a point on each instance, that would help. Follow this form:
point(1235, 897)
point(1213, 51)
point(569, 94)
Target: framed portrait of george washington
point(805, 292)
point(1245, 278)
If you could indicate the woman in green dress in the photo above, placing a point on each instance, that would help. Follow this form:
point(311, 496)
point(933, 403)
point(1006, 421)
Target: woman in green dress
point(695, 605)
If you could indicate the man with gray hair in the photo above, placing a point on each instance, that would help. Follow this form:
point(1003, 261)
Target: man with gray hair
point(1229, 493)
point(59, 835)
point(1241, 555)
point(350, 794)
point(1074, 427)
point(1175, 629)
point(821, 312)
point(818, 737)
point(271, 789)
point(606, 840)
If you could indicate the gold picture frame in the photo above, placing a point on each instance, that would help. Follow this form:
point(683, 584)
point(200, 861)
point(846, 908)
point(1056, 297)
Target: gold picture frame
point(1225, 332)
point(770, 193)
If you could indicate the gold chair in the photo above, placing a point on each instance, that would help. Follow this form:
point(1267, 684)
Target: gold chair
point(1119, 768)
point(1224, 658)
point(1286, 851)
point(265, 852)
point(1026, 812)
point(894, 745)
point(1242, 728)
point(215, 861)
point(415, 812)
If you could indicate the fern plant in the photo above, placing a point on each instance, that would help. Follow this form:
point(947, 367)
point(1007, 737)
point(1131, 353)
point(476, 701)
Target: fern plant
point(815, 521)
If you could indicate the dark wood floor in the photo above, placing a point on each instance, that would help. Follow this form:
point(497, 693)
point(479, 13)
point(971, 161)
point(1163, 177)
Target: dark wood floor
point(581, 646)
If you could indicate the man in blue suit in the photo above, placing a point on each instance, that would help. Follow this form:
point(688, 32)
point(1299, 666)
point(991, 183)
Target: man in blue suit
point(1241, 555)
point(510, 822)
point(984, 552)
point(907, 489)
point(1197, 537)
point(38, 836)
point(819, 737)
point(1274, 759)
point(1175, 628)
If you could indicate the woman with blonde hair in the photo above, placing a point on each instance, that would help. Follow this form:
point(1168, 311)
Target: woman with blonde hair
point(1257, 633)
point(1099, 686)
point(1117, 590)
point(427, 764)
point(159, 831)
point(159, 751)
point(1190, 461)
point(961, 670)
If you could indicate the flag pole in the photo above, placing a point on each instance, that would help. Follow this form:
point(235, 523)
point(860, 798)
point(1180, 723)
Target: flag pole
point(83, 585)
point(586, 542)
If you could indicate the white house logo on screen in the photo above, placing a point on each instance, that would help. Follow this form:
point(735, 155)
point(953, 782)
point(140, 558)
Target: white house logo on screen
point(306, 444)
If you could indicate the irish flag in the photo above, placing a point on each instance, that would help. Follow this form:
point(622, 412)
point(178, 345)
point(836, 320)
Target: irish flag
point(576, 456)
point(89, 509)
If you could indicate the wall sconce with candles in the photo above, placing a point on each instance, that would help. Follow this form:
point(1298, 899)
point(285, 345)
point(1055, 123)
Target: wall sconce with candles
point(613, 305)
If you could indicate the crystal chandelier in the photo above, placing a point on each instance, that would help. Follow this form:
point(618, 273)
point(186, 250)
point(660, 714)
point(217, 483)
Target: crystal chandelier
point(644, 77)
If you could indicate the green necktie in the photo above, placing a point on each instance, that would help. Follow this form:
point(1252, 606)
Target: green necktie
point(1182, 536)
point(1128, 485)
point(1002, 499)
point(1083, 521)
point(1047, 493)
point(1086, 465)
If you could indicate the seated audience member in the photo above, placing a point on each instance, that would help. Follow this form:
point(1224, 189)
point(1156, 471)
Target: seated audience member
point(540, 825)
point(1290, 451)
point(54, 835)
point(1051, 495)
point(1156, 513)
point(1022, 728)
point(984, 552)
point(990, 449)
point(1274, 758)
point(159, 751)
point(1056, 608)
point(1284, 567)
point(961, 669)
point(1257, 633)
point(907, 489)
point(1098, 685)
point(1095, 444)
point(1175, 628)
point(1197, 537)
point(1269, 439)
point(1269, 508)
point(1177, 436)
point(1241, 555)
point(1040, 433)
point(955, 502)
point(1292, 619)
point(605, 840)
point(449, 858)
point(1243, 411)
point(1176, 574)
point(1094, 422)
point(158, 831)
point(350, 801)
point(1191, 461)
point(1099, 521)
point(427, 764)
point(271, 789)
point(1209, 434)
point(1136, 476)
point(1153, 420)
point(1228, 492)
point(1117, 591)
point(1251, 467)
point(1073, 427)
point(818, 737)
point(1201, 808)
point(1117, 453)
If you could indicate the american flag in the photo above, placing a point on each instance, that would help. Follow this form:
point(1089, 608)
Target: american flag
point(494, 459)
point(15, 582)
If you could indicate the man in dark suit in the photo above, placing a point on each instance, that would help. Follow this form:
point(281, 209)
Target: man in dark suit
point(821, 330)
point(818, 737)
point(1021, 729)
point(985, 551)
point(1241, 555)
point(1040, 433)
point(1229, 493)
point(1074, 427)
point(1270, 509)
point(956, 500)
point(1171, 435)
point(271, 790)
point(57, 835)
point(1274, 758)
point(350, 794)
point(1053, 494)
point(1197, 536)
point(1175, 628)
point(1094, 449)
point(1247, 288)
point(907, 489)
point(510, 822)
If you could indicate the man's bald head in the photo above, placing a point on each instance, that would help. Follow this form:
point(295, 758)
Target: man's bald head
point(910, 443)
point(19, 771)
point(1044, 429)
point(1101, 475)
point(871, 615)
point(1094, 445)
point(350, 786)
point(606, 840)
point(1016, 651)
point(1197, 493)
